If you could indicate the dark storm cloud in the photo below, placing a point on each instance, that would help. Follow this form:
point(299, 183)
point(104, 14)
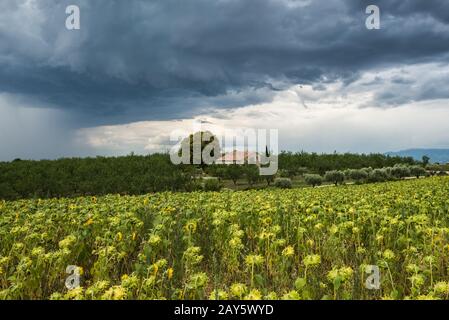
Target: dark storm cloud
point(400, 93)
point(437, 9)
point(162, 59)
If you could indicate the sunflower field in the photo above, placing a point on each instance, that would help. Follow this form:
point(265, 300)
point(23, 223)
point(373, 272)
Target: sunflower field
point(269, 244)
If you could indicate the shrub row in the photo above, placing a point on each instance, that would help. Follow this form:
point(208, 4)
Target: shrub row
point(366, 175)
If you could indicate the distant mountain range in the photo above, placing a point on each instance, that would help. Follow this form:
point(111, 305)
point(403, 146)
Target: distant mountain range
point(435, 155)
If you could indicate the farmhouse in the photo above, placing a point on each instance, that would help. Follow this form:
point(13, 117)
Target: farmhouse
point(239, 157)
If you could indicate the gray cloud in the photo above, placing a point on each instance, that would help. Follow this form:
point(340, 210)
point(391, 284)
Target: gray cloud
point(39, 133)
point(166, 59)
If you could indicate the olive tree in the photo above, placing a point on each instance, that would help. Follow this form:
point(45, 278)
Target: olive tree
point(335, 177)
point(313, 179)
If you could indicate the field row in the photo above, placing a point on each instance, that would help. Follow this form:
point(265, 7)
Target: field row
point(269, 244)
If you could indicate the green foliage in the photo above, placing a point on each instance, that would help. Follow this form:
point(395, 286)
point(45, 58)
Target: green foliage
point(212, 184)
point(135, 175)
point(313, 179)
point(301, 171)
point(234, 172)
point(218, 170)
point(357, 175)
point(379, 175)
point(283, 183)
point(399, 171)
point(418, 171)
point(283, 173)
point(334, 177)
point(320, 163)
point(269, 178)
point(252, 174)
point(92, 176)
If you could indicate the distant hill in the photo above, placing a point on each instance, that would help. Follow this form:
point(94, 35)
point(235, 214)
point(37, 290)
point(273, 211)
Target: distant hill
point(435, 155)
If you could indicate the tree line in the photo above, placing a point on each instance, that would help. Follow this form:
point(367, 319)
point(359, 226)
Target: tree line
point(366, 175)
point(299, 162)
point(72, 177)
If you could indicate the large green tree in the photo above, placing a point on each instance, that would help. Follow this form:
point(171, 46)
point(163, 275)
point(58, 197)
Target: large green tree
point(203, 148)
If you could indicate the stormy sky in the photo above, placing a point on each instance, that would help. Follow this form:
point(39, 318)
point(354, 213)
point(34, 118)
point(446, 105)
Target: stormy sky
point(138, 69)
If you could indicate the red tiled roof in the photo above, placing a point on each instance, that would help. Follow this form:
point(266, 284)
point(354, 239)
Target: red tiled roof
point(238, 156)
